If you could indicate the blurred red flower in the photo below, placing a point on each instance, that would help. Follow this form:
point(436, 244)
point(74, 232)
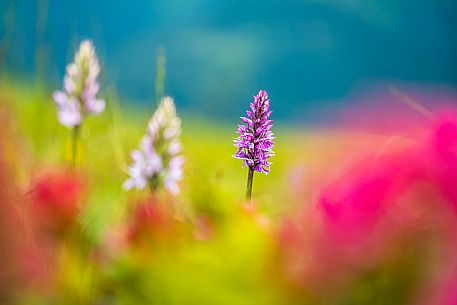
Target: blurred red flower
point(150, 220)
point(56, 199)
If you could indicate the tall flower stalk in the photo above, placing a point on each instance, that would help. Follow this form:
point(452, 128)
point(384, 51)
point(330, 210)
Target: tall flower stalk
point(79, 95)
point(158, 161)
point(255, 140)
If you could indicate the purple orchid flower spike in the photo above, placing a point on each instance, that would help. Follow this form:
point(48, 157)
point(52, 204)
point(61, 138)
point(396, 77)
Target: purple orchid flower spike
point(80, 87)
point(158, 161)
point(78, 97)
point(255, 141)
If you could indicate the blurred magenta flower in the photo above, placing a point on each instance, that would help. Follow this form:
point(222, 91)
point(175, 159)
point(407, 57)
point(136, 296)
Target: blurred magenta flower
point(385, 209)
point(440, 156)
point(78, 98)
point(255, 141)
point(158, 161)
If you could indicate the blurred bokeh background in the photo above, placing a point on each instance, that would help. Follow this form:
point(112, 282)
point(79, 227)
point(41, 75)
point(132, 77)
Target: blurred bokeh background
point(360, 206)
point(309, 54)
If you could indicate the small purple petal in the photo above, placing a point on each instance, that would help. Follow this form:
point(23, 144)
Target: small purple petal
point(94, 106)
point(255, 141)
point(60, 98)
point(69, 114)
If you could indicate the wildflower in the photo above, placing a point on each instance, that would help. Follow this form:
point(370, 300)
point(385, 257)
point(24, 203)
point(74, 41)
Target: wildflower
point(150, 220)
point(56, 199)
point(158, 160)
point(255, 140)
point(80, 88)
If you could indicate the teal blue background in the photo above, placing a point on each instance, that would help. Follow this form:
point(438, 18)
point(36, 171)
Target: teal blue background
point(308, 54)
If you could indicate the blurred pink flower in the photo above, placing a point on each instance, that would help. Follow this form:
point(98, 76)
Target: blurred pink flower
point(401, 198)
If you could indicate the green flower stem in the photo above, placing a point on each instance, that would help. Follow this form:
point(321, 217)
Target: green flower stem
point(75, 138)
point(249, 184)
point(153, 185)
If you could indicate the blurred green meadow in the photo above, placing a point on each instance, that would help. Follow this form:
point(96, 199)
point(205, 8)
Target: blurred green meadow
point(320, 216)
point(231, 268)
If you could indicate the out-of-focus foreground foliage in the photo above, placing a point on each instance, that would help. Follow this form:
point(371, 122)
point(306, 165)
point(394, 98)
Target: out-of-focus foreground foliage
point(379, 231)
